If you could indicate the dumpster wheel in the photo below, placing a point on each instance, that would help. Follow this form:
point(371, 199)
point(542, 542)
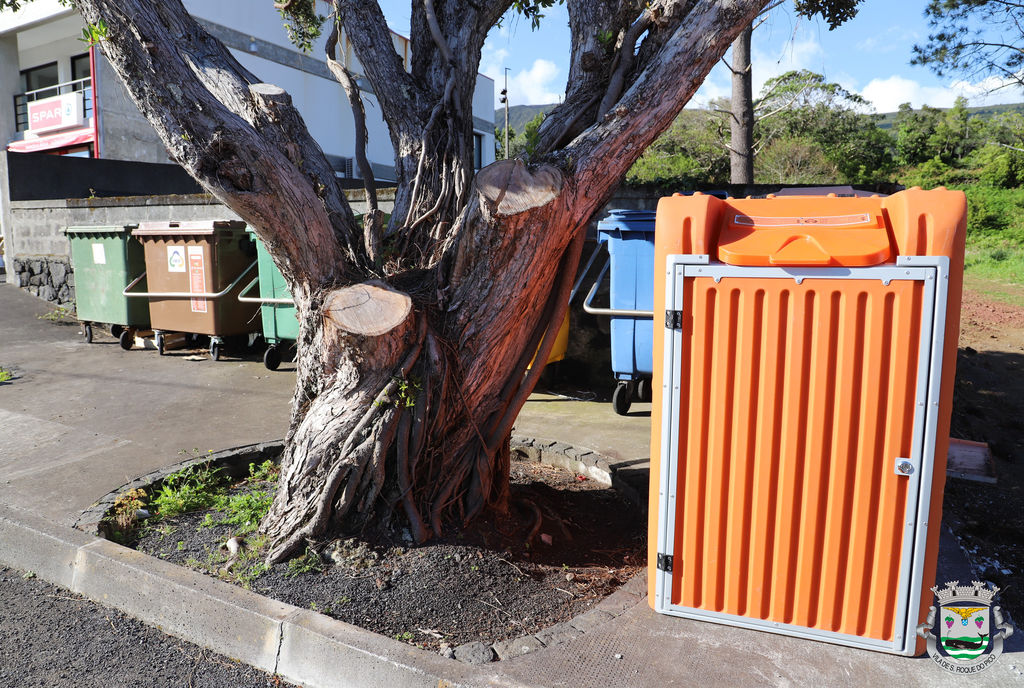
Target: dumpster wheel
point(126, 338)
point(643, 390)
point(116, 331)
point(215, 349)
point(622, 397)
point(272, 357)
point(160, 343)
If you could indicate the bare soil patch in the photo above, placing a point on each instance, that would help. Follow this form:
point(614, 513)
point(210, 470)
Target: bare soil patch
point(988, 406)
point(566, 544)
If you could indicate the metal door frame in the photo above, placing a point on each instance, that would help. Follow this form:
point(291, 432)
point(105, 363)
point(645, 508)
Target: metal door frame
point(933, 272)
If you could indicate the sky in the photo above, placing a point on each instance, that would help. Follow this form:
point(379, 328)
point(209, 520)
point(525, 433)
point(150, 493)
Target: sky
point(869, 55)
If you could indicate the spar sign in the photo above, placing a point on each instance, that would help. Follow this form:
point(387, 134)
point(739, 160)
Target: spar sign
point(59, 112)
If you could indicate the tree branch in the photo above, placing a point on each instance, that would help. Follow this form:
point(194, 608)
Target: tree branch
point(625, 61)
point(602, 154)
point(400, 97)
point(237, 138)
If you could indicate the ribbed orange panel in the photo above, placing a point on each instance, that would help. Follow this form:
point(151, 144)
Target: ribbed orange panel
point(797, 400)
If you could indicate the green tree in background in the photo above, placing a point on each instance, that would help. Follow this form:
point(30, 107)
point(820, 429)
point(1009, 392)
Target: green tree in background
point(522, 145)
point(975, 38)
point(803, 105)
point(689, 153)
point(811, 132)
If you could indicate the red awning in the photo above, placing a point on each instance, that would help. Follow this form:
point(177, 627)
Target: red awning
point(65, 139)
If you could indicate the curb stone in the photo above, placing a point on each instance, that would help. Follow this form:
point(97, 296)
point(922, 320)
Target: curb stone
point(235, 462)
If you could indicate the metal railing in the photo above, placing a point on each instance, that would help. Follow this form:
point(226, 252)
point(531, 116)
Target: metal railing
point(21, 100)
point(183, 294)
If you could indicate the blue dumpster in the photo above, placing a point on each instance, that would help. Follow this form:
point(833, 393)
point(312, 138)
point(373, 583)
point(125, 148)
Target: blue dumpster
point(629, 237)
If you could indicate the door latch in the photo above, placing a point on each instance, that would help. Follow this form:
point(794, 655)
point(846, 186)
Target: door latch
point(904, 466)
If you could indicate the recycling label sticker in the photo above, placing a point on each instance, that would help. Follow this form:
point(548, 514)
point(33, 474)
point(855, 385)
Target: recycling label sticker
point(175, 259)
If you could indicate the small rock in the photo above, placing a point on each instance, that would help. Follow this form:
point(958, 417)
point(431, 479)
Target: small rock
point(474, 653)
point(517, 647)
point(618, 656)
point(353, 553)
point(142, 514)
point(233, 544)
point(570, 577)
point(590, 620)
point(546, 539)
point(446, 651)
point(559, 633)
point(406, 535)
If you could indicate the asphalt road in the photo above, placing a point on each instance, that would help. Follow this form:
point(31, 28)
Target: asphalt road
point(53, 638)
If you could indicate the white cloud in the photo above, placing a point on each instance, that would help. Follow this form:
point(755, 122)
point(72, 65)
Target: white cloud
point(803, 52)
point(535, 85)
point(889, 93)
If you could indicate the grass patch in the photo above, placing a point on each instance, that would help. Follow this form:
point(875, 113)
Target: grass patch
point(995, 259)
point(310, 562)
point(245, 510)
point(192, 488)
point(58, 314)
point(995, 290)
point(123, 518)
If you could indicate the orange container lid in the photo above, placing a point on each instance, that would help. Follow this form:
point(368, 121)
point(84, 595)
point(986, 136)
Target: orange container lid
point(804, 232)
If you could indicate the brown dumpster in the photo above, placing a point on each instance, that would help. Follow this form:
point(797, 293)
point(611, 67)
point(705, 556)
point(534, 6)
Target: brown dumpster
point(195, 272)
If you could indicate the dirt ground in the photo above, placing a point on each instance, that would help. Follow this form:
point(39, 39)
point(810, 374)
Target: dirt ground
point(989, 407)
point(567, 543)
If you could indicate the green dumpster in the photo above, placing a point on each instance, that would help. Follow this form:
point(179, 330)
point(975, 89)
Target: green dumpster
point(105, 259)
point(276, 306)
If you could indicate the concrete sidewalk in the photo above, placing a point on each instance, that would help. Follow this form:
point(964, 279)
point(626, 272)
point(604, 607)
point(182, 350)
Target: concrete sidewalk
point(79, 420)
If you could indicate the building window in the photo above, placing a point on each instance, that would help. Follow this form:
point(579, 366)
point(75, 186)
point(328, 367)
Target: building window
point(478, 151)
point(44, 76)
point(36, 83)
point(80, 67)
point(81, 79)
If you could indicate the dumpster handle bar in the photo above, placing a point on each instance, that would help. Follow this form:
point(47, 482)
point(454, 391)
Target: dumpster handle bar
point(183, 294)
point(250, 299)
point(590, 261)
point(610, 311)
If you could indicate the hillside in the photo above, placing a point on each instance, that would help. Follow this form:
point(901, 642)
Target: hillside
point(984, 111)
point(519, 115)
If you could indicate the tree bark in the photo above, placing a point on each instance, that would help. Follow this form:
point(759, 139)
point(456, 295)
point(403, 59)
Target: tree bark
point(411, 370)
point(741, 123)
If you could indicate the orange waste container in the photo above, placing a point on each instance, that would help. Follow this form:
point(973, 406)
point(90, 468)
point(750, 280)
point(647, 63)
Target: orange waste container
point(803, 390)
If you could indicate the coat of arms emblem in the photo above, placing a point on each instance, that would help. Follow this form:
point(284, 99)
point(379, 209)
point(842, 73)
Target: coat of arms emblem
point(970, 629)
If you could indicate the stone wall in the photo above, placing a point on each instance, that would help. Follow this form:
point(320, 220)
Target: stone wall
point(38, 253)
point(49, 278)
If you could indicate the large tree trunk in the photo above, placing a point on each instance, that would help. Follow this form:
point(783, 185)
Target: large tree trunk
point(414, 345)
point(413, 416)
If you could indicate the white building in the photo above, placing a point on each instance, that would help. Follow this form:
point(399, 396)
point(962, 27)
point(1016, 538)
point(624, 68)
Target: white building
point(48, 78)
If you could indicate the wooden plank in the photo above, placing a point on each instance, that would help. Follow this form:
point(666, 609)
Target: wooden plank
point(970, 461)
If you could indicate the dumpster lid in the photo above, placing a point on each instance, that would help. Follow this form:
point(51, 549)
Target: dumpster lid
point(191, 227)
point(99, 229)
point(626, 220)
point(804, 232)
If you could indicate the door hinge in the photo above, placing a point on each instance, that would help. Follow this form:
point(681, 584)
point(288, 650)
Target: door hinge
point(674, 320)
point(665, 562)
